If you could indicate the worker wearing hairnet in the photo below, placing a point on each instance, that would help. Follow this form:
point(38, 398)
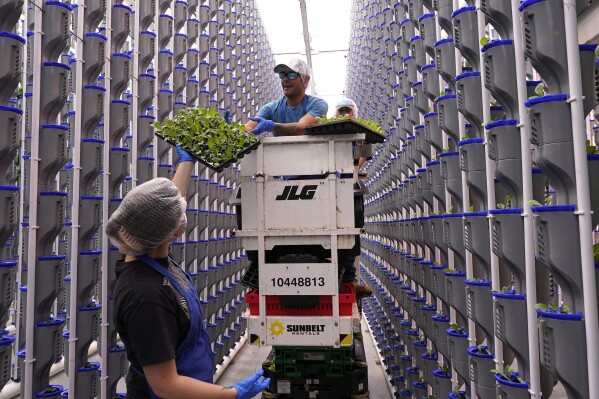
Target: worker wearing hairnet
point(156, 308)
point(290, 114)
point(362, 152)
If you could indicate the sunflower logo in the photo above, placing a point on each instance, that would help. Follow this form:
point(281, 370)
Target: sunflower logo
point(276, 328)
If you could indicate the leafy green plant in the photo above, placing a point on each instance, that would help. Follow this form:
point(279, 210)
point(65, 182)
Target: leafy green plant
point(548, 200)
point(554, 308)
point(591, 149)
point(596, 252)
point(369, 124)
point(471, 208)
point(506, 203)
point(457, 394)
point(206, 135)
point(483, 350)
point(456, 329)
point(484, 41)
point(540, 89)
point(507, 374)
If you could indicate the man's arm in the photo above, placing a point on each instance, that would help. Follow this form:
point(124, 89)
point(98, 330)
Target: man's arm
point(295, 129)
point(168, 384)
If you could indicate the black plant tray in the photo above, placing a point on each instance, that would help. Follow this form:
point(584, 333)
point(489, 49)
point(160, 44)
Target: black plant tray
point(345, 127)
point(219, 167)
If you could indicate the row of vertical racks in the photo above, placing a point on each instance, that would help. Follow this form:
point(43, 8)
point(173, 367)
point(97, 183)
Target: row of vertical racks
point(479, 232)
point(81, 84)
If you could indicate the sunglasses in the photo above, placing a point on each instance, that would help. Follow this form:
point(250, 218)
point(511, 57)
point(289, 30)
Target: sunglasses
point(288, 75)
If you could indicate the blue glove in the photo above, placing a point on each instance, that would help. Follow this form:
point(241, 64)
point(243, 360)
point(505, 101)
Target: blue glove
point(227, 117)
point(252, 386)
point(263, 125)
point(184, 156)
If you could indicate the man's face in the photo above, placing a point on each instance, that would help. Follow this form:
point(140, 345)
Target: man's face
point(292, 87)
point(346, 111)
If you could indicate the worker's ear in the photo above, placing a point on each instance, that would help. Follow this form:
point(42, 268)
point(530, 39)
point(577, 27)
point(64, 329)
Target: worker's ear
point(306, 80)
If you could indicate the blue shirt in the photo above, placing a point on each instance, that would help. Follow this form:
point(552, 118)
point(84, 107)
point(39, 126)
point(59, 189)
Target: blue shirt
point(315, 106)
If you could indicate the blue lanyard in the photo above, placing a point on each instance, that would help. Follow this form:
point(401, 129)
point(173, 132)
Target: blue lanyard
point(283, 111)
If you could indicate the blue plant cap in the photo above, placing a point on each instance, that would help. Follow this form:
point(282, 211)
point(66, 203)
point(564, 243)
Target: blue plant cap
point(59, 3)
point(554, 208)
point(559, 316)
point(427, 67)
point(496, 108)
point(545, 99)
point(476, 283)
point(440, 42)
point(409, 98)
point(94, 87)
point(496, 43)
point(528, 3)
point(411, 137)
point(505, 211)
point(401, 73)
point(448, 154)
point(445, 97)
point(514, 297)
point(593, 157)
point(57, 64)
point(413, 39)
point(432, 163)
point(466, 75)
point(430, 15)
point(461, 10)
point(419, 127)
point(506, 122)
point(430, 114)
point(123, 6)
point(533, 82)
point(587, 47)
point(13, 36)
point(404, 21)
point(477, 140)
point(409, 57)
point(537, 171)
point(11, 109)
point(476, 214)
point(416, 84)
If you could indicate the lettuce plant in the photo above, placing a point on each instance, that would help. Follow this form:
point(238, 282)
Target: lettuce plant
point(206, 135)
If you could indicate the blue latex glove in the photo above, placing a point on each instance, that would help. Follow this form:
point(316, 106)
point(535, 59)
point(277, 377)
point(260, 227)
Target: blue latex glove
point(184, 156)
point(263, 125)
point(227, 117)
point(252, 386)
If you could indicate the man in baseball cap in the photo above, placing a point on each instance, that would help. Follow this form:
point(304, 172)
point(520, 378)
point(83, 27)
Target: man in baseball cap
point(290, 114)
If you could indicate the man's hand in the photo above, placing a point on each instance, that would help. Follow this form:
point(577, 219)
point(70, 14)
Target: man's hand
point(263, 125)
point(227, 117)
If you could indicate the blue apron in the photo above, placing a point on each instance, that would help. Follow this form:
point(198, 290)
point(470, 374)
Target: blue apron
point(194, 356)
point(283, 110)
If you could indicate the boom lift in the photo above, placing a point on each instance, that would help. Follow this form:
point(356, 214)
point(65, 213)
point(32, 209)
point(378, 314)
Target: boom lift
point(301, 203)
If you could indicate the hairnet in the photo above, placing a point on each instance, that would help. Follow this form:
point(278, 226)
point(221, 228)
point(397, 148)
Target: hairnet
point(148, 215)
point(299, 66)
point(347, 103)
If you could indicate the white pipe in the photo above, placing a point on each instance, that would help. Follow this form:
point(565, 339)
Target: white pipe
point(583, 197)
point(105, 209)
point(135, 92)
point(529, 239)
point(491, 201)
point(74, 244)
point(33, 193)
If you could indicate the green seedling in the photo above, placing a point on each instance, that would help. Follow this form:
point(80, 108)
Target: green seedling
point(448, 270)
point(482, 349)
point(484, 41)
point(471, 208)
point(450, 210)
point(540, 89)
point(369, 124)
point(506, 203)
point(507, 374)
point(591, 149)
point(554, 308)
point(457, 394)
point(456, 328)
point(596, 252)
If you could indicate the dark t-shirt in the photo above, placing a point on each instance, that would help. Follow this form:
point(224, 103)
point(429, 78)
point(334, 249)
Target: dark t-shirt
point(151, 317)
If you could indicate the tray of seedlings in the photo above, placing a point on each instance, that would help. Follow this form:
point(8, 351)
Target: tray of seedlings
point(206, 136)
point(347, 125)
